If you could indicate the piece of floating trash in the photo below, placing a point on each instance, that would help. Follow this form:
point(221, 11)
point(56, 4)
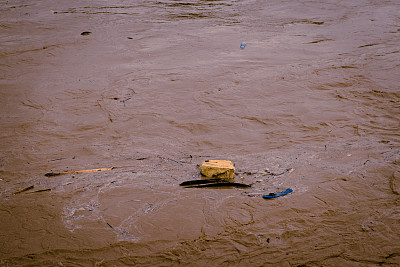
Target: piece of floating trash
point(222, 169)
point(86, 33)
point(242, 45)
point(278, 194)
point(212, 183)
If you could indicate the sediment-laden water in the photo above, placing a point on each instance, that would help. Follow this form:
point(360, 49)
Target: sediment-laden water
point(156, 87)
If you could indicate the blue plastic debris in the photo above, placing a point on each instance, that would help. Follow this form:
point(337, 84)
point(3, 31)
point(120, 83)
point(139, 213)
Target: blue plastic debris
point(242, 45)
point(278, 194)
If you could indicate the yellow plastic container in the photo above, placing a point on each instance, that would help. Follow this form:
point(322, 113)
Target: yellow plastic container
point(218, 169)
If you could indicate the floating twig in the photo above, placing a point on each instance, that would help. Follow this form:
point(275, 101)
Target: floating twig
point(268, 172)
point(24, 190)
point(57, 159)
point(334, 179)
point(51, 174)
point(41, 190)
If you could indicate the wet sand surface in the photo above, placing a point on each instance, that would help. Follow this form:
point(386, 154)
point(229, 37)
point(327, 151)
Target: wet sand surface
point(311, 103)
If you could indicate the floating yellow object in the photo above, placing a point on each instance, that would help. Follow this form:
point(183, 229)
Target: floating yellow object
point(222, 169)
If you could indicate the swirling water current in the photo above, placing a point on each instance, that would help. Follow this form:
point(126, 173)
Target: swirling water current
point(312, 103)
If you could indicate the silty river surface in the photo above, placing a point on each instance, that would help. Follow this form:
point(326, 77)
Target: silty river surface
point(312, 103)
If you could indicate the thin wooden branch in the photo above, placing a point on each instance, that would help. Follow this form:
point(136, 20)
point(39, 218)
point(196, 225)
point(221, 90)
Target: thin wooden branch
point(24, 190)
point(51, 174)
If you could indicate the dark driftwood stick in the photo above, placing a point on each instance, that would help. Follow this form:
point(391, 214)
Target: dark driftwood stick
point(196, 182)
point(223, 184)
point(212, 183)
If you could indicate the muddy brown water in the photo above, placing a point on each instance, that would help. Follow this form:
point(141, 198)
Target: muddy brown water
point(311, 104)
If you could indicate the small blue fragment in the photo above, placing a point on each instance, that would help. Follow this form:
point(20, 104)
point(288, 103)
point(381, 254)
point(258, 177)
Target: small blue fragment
point(242, 45)
point(278, 194)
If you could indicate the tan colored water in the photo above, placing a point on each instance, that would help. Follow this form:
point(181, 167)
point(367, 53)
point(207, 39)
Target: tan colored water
point(162, 86)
